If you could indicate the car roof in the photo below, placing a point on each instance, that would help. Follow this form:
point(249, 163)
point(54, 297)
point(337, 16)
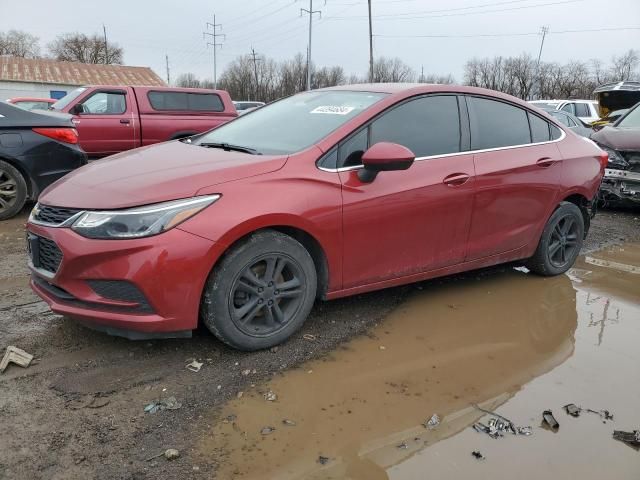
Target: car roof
point(403, 90)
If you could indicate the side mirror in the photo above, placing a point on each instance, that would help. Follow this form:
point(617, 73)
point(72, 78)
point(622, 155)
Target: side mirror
point(384, 157)
point(77, 109)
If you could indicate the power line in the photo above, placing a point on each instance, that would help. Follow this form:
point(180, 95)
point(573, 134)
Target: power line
point(417, 15)
point(214, 44)
point(522, 34)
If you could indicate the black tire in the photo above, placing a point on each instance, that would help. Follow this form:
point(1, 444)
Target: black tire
point(13, 191)
point(560, 242)
point(261, 292)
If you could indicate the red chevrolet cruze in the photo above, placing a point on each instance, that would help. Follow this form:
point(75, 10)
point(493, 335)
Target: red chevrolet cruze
point(323, 194)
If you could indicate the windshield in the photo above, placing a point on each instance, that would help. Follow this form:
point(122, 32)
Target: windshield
point(292, 124)
point(631, 120)
point(68, 98)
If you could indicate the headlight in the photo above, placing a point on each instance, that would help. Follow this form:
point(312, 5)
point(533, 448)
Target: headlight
point(140, 221)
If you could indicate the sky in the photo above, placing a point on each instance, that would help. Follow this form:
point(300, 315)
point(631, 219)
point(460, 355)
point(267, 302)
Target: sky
point(439, 35)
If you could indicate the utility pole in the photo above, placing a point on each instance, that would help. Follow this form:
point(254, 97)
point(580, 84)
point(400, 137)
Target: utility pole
point(421, 73)
point(214, 36)
point(311, 11)
point(106, 50)
point(168, 75)
point(544, 30)
point(255, 59)
point(370, 46)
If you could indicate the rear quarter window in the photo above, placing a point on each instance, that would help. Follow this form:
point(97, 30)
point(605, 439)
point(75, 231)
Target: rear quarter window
point(185, 101)
point(539, 129)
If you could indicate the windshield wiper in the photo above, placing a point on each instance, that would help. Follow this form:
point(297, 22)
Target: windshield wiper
point(229, 147)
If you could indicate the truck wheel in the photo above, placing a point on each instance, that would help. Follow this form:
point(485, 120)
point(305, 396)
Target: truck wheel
point(560, 242)
point(261, 291)
point(13, 191)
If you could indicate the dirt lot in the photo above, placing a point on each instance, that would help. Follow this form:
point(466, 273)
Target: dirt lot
point(78, 411)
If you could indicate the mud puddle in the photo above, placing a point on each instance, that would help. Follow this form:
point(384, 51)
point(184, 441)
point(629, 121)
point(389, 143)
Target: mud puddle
point(511, 342)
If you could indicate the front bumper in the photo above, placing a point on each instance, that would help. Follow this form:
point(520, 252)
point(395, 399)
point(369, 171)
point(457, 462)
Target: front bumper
point(150, 285)
point(620, 187)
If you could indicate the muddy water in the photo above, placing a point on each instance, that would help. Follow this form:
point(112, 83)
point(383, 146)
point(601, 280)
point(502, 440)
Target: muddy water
point(510, 342)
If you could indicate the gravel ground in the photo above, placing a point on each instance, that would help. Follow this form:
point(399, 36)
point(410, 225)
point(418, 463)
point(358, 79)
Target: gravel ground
point(78, 411)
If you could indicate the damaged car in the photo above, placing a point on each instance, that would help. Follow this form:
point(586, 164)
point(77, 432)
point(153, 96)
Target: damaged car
point(322, 195)
point(621, 182)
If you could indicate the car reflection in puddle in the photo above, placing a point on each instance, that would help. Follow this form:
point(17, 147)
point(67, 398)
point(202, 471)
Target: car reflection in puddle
point(476, 340)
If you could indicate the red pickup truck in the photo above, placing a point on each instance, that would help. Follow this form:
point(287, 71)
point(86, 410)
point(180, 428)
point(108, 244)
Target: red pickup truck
point(111, 119)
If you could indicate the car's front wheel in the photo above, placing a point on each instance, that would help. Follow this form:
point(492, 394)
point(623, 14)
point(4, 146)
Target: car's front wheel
point(13, 191)
point(261, 291)
point(560, 242)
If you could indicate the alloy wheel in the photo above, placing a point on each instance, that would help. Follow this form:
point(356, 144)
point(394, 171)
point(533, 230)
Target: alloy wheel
point(8, 191)
point(563, 241)
point(267, 294)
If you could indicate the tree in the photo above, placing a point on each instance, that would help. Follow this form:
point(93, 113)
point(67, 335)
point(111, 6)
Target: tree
point(19, 44)
point(188, 80)
point(625, 67)
point(392, 70)
point(78, 47)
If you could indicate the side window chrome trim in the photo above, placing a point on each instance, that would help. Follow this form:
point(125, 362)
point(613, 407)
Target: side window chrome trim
point(468, 152)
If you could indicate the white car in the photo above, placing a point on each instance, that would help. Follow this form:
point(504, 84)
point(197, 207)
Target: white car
point(585, 110)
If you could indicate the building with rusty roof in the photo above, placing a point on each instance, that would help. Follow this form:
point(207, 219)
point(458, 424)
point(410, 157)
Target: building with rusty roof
point(44, 78)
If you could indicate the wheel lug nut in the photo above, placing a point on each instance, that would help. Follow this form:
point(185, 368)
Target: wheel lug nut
point(270, 302)
point(271, 284)
point(260, 301)
point(260, 289)
point(277, 292)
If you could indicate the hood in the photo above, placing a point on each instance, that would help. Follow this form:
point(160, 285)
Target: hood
point(153, 174)
point(618, 138)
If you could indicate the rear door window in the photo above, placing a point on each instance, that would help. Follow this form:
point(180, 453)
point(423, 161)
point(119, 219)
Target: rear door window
point(496, 124)
point(569, 107)
point(185, 101)
point(582, 110)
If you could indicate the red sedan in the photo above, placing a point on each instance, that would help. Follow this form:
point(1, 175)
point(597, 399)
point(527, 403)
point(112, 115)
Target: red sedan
point(324, 194)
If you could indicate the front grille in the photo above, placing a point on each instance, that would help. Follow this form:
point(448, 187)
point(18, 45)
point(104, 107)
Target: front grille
point(49, 255)
point(54, 215)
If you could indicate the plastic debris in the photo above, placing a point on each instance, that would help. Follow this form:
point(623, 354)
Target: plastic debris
point(499, 426)
point(171, 454)
point(478, 455)
point(288, 423)
point(572, 410)
point(15, 355)
point(402, 446)
point(432, 423)
point(630, 438)
point(525, 431)
point(267, 430)
point(195, 366)
point(270, 396)
point(549, 419)
point(323, 460)
point(311, 338)
point(168, 404)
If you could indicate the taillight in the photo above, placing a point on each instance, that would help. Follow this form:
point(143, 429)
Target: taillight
point(62, 134)
point(604, 159)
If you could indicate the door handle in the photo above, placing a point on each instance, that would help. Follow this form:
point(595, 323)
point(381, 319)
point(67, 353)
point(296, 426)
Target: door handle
point(545, 162)
point(125, 121)
point(456, 179)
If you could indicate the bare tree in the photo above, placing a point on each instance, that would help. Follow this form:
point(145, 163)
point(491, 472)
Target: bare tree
point(392, 70)
point(434, 78)
point(78, 47)
point(188, 80)
point(625, 67)
point(19, 44)
point(328, 77)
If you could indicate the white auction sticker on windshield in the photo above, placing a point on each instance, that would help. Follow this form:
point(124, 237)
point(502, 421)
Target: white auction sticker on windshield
point(333, 109)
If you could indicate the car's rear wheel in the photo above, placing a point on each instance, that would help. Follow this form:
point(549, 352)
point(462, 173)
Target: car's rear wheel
point(560, 242)
point(13, 191)
point(261, 292)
